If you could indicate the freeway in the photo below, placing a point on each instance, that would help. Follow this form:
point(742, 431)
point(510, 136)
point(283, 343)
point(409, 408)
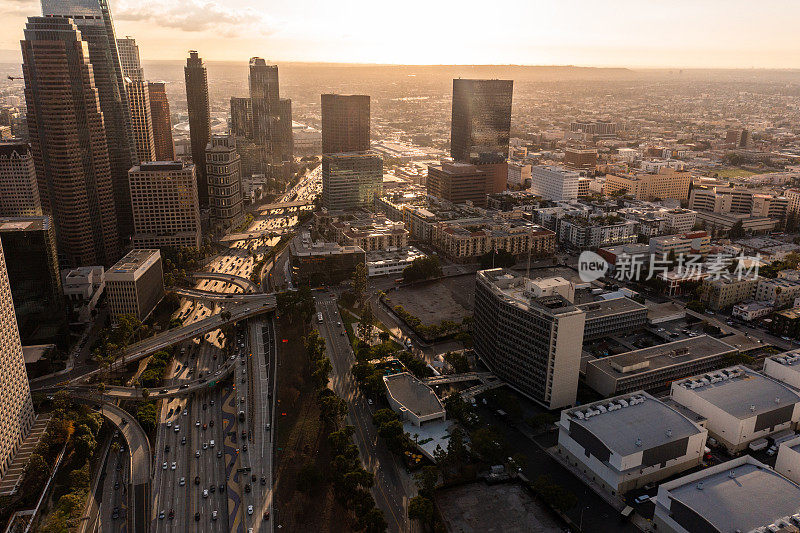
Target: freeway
point(393, 487)
point(215, 297)
point(241, 281)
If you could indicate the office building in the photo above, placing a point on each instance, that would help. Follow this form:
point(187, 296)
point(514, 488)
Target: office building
point(32, 267)
point(223, 166)
point(480, 127)
point(19, 192)
point(533, 344)
point(740, 404)
point(629, 441)
point(93, 21)
point(465, 240)
point(161, 121)
point(458, 183)
point(265, 101)
point(738, 201)
point(318, 263)
point(554, 183)
point(345, 123)
point(655, 367)
point(351, 179)
point(580, 158)
point(16, 404)
point(614, 316)
point(391, 262)
point(666, 183)
point(68, 142)
point(285, 145)
point(199, 120)
point(83, 288)
point(587, 233)
point(241, 124)
point(135, 284)
point(742, 494)
point(138, 99)
point(165, 205)
point(518, 174)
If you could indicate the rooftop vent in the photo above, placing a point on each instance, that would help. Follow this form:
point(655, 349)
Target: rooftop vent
point(752, 408)
point(669, 433)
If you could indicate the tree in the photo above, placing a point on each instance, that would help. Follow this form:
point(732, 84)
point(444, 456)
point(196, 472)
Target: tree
point(497, 259)
point(420, 508)
point(359, 282)
point(737, 230)
point(366, 323)
point(145, 393)
point(458, 361)
point(384, 336)
point(485, 442)
point(422, 268)
point(373, 521)
point(427, 479)
point(308, 477)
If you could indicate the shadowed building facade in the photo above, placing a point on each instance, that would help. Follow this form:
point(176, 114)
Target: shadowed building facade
point(345, 123)
point(162, 123)
point(199, 119)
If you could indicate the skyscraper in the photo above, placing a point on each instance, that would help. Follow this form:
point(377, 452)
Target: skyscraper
point(351, 179)
point(165, 206)
point(265, 104)
point(481, 127)
point(285, 142)
point(160, 118)
point(223, 165)
point(16, 404)
point(19, 192)
point(68, 142)
point(242, 117)
point(199, 119)
point(345, 123)
point(138, 99)
point(93, 19)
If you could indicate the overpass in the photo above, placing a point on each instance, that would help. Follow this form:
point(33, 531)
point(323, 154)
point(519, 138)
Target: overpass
point(148, 346)
point(218, 297)
point(244, 283)
point(284, 207)
point(139, 490)
point(471, 392)
point(135, 393)
point(234, 237)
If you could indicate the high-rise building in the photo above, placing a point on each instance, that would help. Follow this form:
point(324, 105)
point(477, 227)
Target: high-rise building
point(531, 342)
point(481, 127)
point(285, 149)
point(165, 205)
point(16, 404)
point(345, 123)
point(160, 119)
point(138, 99)
point(265, 101)
point(135, 284)
point(223, 165)
point(19, 192)
point(32, 264)
point(351, 179)
point(554, 183)
point(458, 183)
point(199, 119)
point(93, 20)
point(242, 117)
point(68, 142)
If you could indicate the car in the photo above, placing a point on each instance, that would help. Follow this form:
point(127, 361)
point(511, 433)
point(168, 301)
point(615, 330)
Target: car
point(182, 482)
point(163, 391)
point(183, 440)
point(197, 453)
point(164, 466)
point(211, 402)
point(253, 478)
point(213, 515)
point(205, 406)
point(161, 515)
point(197, 424)
point(205, 445)
point(641, 499)
point(196, 480)
point(205, 426)
point(211, 443)
point(116, 485)
point(177, 428)
point(205, 493)
point(169, 423)
point(115, 513)
point(267, 427)
point(222, 487)
point(196, 517)
point(211, 422)
point(185, 412)
point(249, 509)
point(266, 515)
point(369, 401)
point(171, 514)
point(247, 487)
point(244, 447)
point(185, 386)
point(263, 481)
point(166, 448)
point(219, 454)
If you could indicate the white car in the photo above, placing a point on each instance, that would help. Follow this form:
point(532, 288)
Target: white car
point(185, 412)
point(164, 466)
point(249, 509)
point(173, 466)
point(213, 515)
point(205, 445)
point(169, 423)
point(176, 429)
point(197, 453)
point(182, 482)
point(205, 493)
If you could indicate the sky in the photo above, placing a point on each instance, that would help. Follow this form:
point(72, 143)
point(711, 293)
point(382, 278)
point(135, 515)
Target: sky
point(619, 33)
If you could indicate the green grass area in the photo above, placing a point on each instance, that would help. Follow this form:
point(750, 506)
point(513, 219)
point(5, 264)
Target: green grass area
point(734, 172)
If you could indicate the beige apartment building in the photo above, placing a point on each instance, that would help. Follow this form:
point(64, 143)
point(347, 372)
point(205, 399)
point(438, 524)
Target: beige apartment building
point(135, 284)
point(164, 199)
point(667, 183)
point(467, 239)
point(371, 234)
point(723, 293)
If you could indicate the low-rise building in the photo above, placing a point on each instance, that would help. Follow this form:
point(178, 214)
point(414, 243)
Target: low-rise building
point(83, 287)
point(413, 400)
point(752, 310)
point(696, 242)
point(391, 262)
point(723, 292)
point(465, 240)
point(741, 405)
point(787, 462)
point(725, 221)
point(742, 494)
point(663, 184)
point(585, 233)
point(656, 367)
point(629, 441)
point(784, 367)
point(518, 174)
point(318, 263)
point(374, 233)
point(786, 323)
point(554, 183)
point(612, 317)
point(779, 291)
point(135, 284)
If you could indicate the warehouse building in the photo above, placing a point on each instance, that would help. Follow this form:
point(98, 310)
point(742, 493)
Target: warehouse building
point(784, 367)
point(629, 441)
point(741, 405)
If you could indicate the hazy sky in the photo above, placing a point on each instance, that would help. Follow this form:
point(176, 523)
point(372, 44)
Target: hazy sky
point(635, 33)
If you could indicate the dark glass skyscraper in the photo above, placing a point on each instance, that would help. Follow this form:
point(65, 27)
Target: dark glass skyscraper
point(93, 19)
point(242, 117)
point(481, 127)
point(199, 119)
point(345, 123)
point(68, 142)
point(265, 98)
point(162, 124)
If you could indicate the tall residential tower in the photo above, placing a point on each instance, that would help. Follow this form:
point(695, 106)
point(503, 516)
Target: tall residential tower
point(138, 99)
point(199, 119)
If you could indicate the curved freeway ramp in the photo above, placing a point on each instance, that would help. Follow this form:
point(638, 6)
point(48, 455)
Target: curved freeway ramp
point(244, 283)
point(140, 453)
point(216, 297)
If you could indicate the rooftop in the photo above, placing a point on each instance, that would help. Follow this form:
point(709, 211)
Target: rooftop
point(740, 392)
point(302, 245)
point(10, 224)
point(739, 495)
point(634, 422)
point(516, 289)
point(413, 394)
point(134, 261)
point(662, 356)
point(152, 166)
point(613, 306)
